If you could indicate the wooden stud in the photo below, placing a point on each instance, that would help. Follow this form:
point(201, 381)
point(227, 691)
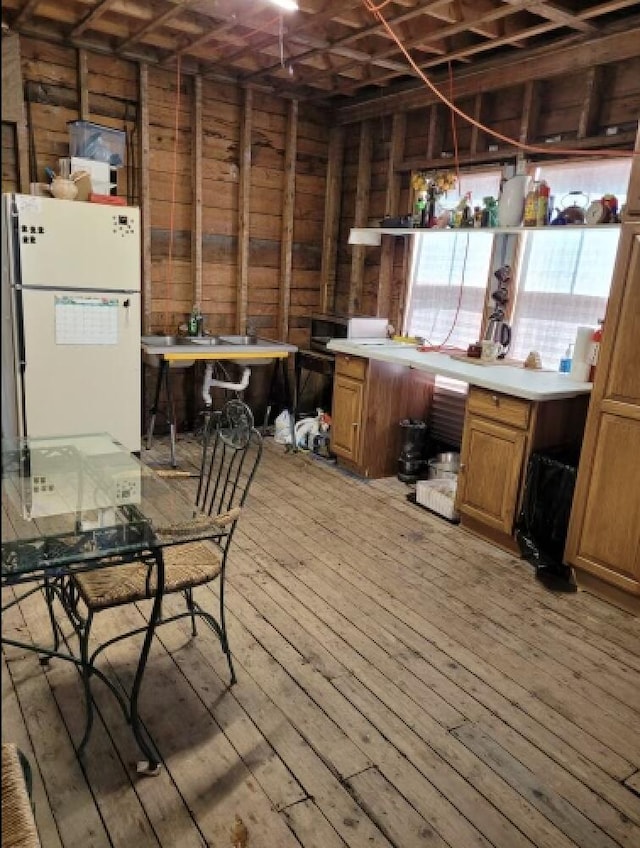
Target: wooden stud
point(83, 84)
point(196, 225)
point(529, 116)
point(477, 116)
point(145, 196)
point(593, 86)
point(363, 189)
point(288, 208)
point(244, 204)
point(392, 201)
point(333, 193)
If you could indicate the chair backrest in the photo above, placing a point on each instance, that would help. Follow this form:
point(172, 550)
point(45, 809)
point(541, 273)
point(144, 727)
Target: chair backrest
point(231, 452)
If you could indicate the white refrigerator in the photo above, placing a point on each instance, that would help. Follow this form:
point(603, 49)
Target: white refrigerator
point(70, 319)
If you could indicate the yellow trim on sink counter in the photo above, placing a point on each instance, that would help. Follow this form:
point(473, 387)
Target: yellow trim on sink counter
point(198, 353)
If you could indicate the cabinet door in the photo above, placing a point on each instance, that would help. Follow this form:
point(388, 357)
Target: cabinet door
point(604, 531)
point(491, 466)
point(346, 419)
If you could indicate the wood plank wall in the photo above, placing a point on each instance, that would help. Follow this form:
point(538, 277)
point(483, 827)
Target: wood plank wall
point(62, 84)
point(579, 107)
point(237, 270)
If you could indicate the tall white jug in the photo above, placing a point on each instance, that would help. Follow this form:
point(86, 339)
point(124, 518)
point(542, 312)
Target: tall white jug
point(511, 201)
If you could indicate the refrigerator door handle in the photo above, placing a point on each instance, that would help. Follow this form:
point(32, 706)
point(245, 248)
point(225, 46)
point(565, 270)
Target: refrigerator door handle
point(77, 289)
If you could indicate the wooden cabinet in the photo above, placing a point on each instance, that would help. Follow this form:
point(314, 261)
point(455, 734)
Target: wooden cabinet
point(500, 433)
point(603, 543)
point(370, 398)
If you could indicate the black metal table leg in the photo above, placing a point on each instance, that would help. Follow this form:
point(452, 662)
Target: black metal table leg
point(152, 765)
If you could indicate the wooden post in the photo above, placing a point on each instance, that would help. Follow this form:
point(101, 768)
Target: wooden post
point(333, 192)
point(145, 197)
point(363, 189)
point(244, 202)
point(288, 203)
point(392, 200)
point(196, 223)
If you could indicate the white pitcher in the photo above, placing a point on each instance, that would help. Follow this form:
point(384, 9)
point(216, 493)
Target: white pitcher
point(511, 201)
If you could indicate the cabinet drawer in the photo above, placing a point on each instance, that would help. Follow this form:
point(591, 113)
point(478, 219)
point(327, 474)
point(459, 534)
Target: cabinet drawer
point(503, 408)
point(351, 366)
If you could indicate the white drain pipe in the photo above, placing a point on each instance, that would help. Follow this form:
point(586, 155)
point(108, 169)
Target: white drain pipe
point(209, 382)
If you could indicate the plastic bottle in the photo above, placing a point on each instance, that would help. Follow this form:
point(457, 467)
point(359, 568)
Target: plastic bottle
point(565, 362)
point(542, 210)
point(194, 321)
point(531, 206)
point(594, 350)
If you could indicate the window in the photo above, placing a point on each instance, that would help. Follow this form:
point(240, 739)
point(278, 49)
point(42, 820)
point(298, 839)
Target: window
point(449, 272)
point(564, 277)
point(448, 286)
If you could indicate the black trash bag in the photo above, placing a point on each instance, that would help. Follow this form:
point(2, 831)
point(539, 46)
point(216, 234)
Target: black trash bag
point(541, 530)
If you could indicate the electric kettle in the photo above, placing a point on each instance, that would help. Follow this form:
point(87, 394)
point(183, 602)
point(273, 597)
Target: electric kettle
point(498, 331)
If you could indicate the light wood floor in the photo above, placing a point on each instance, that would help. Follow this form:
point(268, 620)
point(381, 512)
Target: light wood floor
point(400, 683)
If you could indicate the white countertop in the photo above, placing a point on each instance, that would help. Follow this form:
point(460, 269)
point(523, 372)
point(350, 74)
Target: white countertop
point(512, 380)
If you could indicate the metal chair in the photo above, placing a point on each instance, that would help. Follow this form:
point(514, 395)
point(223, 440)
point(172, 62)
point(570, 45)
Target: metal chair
point(231, 452)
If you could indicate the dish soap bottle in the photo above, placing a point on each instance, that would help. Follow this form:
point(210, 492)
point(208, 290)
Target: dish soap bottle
point(565, 362)
point(194, 321)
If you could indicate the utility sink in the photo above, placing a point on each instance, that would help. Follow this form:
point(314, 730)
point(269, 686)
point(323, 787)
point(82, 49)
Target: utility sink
point(248, 341)
point(166, 341)
point(207, 341)
point(245, 341)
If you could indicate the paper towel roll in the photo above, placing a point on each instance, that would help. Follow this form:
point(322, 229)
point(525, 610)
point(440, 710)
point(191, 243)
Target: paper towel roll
point(582, 344)
point(580, 371)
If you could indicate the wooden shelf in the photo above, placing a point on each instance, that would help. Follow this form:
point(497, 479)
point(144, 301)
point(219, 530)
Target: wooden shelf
point(370, 235)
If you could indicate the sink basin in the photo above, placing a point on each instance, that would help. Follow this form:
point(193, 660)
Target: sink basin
point(207, 340)
point(166, 341)
point(241, 340)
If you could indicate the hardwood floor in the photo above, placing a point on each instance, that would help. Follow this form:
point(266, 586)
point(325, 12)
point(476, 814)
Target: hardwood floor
point(400, 683)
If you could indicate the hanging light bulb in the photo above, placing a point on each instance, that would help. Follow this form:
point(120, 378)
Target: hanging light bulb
point(288, 5)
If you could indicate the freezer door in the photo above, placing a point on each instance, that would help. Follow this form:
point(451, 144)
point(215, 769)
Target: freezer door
point(82, 371)
point(66, 244)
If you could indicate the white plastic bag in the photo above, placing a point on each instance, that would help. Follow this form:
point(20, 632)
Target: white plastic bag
point(282, 433)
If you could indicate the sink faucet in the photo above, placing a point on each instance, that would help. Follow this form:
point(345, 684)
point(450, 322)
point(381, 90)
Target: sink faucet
point(251, 331)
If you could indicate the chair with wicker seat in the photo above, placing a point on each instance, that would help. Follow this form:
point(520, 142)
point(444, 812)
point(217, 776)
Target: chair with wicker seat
point(232, 449)
point(18, 823)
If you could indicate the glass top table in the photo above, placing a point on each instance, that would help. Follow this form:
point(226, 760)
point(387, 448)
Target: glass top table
point(78, 503)
point(69, 502)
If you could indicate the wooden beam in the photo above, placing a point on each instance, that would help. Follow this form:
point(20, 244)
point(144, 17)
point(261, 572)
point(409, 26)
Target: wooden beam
point(26, 13)
point(392, 201)
point(539, 64)
point(157, 22)
point(197, 191)
point(333, 194)
point(591, 102)
point(244, 211)
point(288, 209)
point(95, 14)
point(363, 190)
point(145, 196)
point(83, 84)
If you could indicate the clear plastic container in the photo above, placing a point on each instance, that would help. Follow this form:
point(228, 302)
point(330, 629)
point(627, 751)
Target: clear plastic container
point(92, 141)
